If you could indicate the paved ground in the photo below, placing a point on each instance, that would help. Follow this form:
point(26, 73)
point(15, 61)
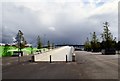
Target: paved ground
point(87, 66)
point(97, 66)
point(9, 61)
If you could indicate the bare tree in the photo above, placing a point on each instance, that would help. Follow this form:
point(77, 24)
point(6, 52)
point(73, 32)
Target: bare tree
point(108, 41)
point(48, 43)
point(87, 45)
point(20, 40)
point(95, 44)
point(39, 43)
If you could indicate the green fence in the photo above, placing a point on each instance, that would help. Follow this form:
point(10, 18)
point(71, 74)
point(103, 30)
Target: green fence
point(9, 50)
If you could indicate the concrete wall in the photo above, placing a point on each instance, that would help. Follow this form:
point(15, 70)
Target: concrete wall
point(58, 54)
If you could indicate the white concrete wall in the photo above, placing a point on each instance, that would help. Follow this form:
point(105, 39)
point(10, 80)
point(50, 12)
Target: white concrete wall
point(58, 54)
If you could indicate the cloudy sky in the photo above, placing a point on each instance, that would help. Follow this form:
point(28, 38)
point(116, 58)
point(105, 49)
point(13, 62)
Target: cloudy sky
point(60, 21)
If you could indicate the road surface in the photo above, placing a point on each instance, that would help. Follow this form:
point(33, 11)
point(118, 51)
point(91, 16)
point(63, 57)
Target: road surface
point(87, 66)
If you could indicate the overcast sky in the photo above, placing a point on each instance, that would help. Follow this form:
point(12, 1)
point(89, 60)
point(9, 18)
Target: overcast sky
point(60, 21)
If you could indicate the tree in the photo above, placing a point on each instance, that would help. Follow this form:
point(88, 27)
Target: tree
point(107, 37)
point(20, 40)
point(53, 45)
point(39, 43)
point(108, 43)
point(118, 45)
point(48, 44)
point(87, 45)
point(95, 45)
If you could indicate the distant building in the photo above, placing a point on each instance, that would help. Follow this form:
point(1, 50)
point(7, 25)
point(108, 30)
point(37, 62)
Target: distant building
point(28, 45)
point(2, 44)
point(77, 47)
point(14, 44)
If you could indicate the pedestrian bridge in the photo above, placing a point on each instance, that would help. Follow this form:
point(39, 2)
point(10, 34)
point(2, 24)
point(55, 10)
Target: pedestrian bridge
point(59, 54)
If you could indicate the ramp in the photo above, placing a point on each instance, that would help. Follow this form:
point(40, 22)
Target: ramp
point(59, 54)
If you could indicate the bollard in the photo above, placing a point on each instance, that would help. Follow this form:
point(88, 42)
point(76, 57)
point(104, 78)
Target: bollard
point(73, 58)
point(32, 59)
point(66, 58)
point(19, 55)
point(50, 58)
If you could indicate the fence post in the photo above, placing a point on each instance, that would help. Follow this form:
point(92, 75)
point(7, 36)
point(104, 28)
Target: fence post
point(50, 58)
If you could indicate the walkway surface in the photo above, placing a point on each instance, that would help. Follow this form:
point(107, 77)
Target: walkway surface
point(56, 54)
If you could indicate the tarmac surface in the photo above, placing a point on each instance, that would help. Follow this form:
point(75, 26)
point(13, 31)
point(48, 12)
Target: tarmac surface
point(87, 66)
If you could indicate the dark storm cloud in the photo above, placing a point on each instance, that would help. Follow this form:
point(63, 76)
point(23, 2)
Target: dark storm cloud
point(58, 22)
point(19, 18)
